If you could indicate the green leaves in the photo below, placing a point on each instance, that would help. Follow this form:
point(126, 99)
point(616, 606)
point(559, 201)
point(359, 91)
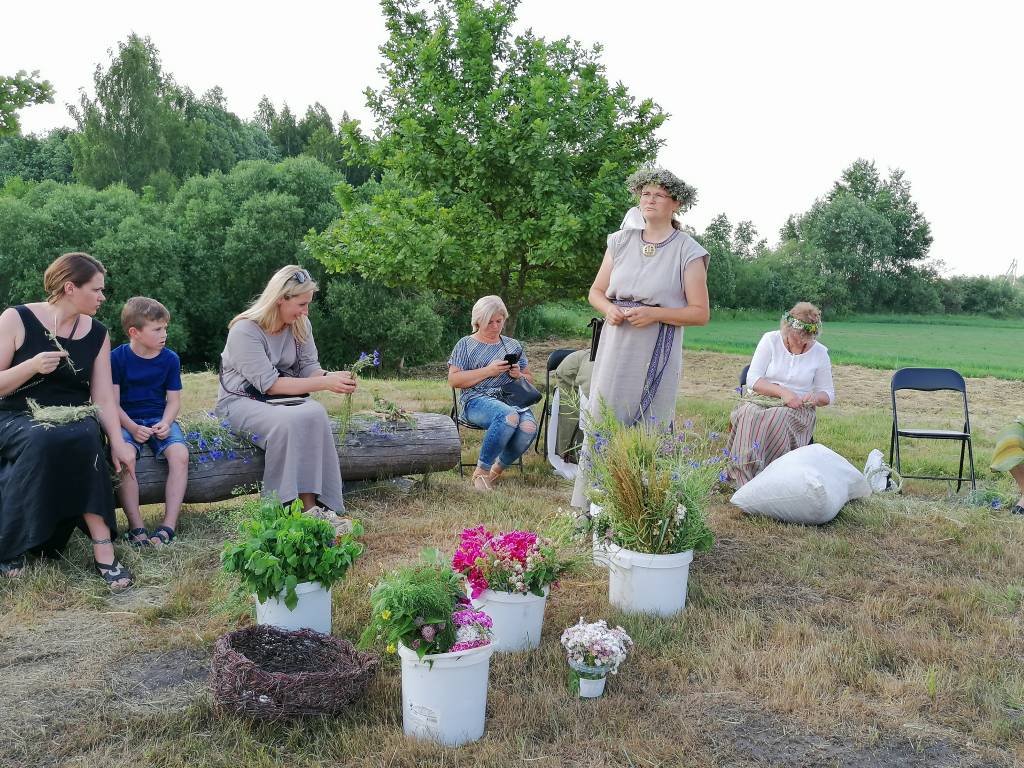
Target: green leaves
point(503, 160)
point(19, 91)
point(283, 548)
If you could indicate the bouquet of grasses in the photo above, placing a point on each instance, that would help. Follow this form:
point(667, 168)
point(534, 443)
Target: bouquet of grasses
point(653, 484)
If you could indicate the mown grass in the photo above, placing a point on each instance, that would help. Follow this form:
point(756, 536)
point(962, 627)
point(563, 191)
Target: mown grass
point(974, 345)
point(889, 637)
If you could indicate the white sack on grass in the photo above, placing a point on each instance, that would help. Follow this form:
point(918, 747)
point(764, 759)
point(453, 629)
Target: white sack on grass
point(808, 485)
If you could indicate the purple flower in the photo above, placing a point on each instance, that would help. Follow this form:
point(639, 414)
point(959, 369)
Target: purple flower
point(757, 445)
point(202, 445)
point(226, 424)
point(725, 452)
point(714, 435)
point(254, 437)
point(688, 424)
point(996, 504)
point(695, 465)
point(202, 459)
point(723, 477)
point(428, 632)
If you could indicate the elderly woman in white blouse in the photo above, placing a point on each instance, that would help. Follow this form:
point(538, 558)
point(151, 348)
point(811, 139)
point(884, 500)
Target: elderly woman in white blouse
point(789, 364)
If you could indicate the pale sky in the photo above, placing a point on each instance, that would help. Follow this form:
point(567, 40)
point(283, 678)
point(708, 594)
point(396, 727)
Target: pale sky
point(769, 101)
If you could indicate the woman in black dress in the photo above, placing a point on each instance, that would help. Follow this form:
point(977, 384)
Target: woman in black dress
point(53, 478)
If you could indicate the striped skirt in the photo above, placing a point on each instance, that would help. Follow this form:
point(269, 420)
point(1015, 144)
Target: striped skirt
point(759, 435)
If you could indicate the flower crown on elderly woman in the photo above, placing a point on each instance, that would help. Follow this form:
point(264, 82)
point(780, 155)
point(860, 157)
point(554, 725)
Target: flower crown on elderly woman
point(799, 325)
point(678, 189)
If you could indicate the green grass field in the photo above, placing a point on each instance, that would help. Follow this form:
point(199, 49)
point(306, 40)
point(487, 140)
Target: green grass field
point(973, 345)
point(890, 637)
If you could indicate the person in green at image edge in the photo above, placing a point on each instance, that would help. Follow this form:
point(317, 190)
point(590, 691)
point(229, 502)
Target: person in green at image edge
point(1008, 456)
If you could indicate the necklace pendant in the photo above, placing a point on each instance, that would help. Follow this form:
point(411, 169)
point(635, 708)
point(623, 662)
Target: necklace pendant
point(649, 249)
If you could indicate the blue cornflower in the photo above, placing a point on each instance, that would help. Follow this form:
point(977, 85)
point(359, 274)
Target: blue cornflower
point(738, 390)
point(723, 477)
point(254, 437)
point(202, 459)
point(245, 460)
point(202, 445)
point(216, 455)
point(725, 452)
point(218, 441)
point(695, 464)
point(757, 445)
point(688, 424)
point(193, 436)
point(226, 424)
point(362, 356)
point(714, 435)
point(376, 357)
point(211, 414)
point(996, 504)
point(232, 455)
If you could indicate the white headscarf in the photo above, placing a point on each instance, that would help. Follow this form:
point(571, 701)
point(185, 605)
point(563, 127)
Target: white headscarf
point(634, 219)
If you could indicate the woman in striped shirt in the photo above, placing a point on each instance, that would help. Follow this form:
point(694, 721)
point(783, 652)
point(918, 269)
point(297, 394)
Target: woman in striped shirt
point(480, 364)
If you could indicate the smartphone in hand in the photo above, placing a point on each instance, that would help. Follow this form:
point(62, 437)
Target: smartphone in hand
point(512, 359)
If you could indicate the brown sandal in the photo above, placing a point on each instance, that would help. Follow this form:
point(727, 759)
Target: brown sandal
point(481, 482)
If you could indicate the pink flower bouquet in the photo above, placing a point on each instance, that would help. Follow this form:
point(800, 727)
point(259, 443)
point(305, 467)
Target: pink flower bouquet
point(515, 561)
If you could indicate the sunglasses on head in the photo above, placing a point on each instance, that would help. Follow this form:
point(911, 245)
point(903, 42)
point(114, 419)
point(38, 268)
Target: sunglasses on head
point(300, 276)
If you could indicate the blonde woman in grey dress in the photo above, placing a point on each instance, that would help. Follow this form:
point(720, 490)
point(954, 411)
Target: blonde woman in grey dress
point(270, 352)
point(652, 282)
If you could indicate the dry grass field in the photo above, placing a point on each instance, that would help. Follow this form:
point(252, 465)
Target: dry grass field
point(890, 637)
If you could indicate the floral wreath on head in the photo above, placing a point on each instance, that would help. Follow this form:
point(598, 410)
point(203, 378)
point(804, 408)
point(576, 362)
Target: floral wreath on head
point(678, 189)
point(799, 325)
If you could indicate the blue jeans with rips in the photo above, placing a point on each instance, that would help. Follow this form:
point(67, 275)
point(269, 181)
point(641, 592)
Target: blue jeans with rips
point(509, 430)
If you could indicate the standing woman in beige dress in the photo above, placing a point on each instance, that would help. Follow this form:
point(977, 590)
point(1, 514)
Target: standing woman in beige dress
point(652, 282)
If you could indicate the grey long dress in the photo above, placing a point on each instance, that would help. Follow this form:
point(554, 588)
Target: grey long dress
point(624, 352)
point(300, 452)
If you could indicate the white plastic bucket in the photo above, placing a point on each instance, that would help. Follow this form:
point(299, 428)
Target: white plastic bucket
point(643, 583)
point(518, 618)
point(444, 695)
point(600, 548)
point(313, 610)
point(591, 689)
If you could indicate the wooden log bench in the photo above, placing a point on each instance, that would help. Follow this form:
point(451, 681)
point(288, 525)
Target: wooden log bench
point(431, 444)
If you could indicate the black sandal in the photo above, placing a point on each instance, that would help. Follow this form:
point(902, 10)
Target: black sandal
point(8, 567)
point(1017, 510)
point(113, 573)
point(163, 532)
point(132, 538)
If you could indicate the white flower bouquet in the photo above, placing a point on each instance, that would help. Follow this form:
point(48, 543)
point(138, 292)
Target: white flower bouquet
point(594, 650)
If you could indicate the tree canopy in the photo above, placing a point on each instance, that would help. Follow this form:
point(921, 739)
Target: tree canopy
point(19, 91)
point(502, 159)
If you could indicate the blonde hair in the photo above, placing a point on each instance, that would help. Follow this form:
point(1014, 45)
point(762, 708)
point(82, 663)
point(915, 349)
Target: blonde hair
point(805, 312)
point(75, 268)
point(286, 283)
point(485, 309)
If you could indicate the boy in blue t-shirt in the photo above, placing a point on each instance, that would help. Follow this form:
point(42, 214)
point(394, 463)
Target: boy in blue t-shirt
point(147, 383)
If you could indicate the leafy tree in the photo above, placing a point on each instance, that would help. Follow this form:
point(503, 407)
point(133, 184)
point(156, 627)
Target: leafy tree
point(867, 233)
point(503, 159)
point(20, 91)
point(34, 158)
point(136, 124)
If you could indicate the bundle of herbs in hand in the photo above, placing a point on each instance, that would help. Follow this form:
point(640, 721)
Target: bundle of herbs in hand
point(653, 484)
point(365, 361)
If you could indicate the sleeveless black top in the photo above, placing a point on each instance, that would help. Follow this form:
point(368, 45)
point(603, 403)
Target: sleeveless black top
point(64, 386)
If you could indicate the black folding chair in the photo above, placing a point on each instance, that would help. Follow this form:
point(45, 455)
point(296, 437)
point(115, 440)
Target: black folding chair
point(540, 445)
point(931, 380)
point(460, 422)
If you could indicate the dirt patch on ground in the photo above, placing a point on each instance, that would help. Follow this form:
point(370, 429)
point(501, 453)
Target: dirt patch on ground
point(743, 736)
point(148, 676)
